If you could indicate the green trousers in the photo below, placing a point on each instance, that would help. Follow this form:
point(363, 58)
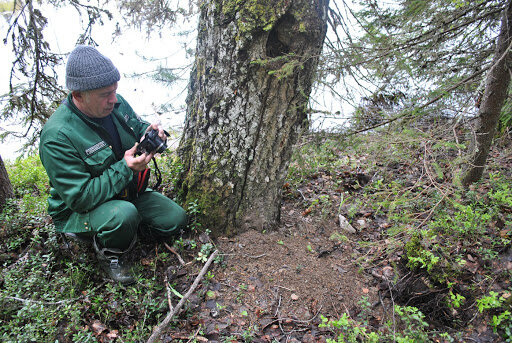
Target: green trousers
point(115, 223)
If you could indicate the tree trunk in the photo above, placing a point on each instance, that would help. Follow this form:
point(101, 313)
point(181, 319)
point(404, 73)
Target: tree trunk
point(495, 93)
point(246, 106)
point(6, 190)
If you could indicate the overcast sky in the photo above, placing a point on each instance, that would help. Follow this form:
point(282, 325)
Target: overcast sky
point(129, 53)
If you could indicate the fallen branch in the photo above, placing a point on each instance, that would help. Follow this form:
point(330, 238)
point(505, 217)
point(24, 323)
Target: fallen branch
point(171, 308)
point(175, 253)
point(41, 302)
point(157, 331)
point(31, 301)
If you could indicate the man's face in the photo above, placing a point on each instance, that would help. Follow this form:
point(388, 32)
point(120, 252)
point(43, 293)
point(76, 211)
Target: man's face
point(96, 103)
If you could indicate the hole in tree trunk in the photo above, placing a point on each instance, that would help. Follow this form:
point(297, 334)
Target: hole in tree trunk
point(279, 38)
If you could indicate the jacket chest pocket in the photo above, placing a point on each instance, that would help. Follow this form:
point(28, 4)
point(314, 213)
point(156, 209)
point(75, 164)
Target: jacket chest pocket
point(99, 161)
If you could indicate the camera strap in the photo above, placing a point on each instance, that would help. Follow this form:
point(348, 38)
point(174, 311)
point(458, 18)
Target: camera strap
point(158, 175)
point(142, 180)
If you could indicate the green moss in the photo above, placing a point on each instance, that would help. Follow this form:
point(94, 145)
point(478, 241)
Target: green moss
point(427, 257)
point(253, 14)
point(200, 188)
point(213, 213)
point(200, 67)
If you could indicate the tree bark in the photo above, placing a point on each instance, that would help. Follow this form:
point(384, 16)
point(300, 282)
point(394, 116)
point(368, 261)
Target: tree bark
point(246, 106)
point(6, 190)
point(495, 93)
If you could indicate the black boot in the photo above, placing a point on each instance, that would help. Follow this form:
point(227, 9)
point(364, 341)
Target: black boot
point(113, 264)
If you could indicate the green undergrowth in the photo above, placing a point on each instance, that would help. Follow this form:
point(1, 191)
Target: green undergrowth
point(396, 191)
point(52, 289)
point(456, 240)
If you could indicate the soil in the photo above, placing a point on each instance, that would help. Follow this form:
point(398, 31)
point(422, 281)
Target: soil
point(274, 286)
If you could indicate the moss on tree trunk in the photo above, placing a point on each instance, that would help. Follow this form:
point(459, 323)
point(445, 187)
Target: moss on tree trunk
point(247, 104)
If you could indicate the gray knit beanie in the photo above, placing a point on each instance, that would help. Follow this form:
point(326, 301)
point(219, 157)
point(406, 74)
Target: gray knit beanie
point(88, 69)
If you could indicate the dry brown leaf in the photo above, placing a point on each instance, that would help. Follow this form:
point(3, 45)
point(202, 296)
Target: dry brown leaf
point(146, 261)
point(306, 212)
point(98, 327)
point(113, 334)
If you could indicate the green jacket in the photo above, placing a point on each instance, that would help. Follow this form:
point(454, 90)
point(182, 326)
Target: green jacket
point(81, 165)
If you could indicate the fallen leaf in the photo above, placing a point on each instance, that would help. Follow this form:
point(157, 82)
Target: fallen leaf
point(472, 267)
point(388, 272)
point(146, 261)
point(306, 212)
point(98, 327)
point(113, 334)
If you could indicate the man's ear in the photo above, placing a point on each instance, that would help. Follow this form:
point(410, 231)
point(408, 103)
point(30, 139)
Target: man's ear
point(77, 96)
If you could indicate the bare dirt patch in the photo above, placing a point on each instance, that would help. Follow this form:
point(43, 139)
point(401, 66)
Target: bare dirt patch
point(274, 286)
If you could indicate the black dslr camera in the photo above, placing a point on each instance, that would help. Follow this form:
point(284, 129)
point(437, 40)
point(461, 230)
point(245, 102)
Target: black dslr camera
point(151, 142)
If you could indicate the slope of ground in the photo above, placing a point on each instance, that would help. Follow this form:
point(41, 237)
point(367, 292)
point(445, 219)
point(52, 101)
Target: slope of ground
point(401, 270)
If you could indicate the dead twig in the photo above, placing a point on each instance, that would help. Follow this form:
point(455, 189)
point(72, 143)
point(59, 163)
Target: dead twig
point(254, 257)
point(168, 293)
point(60, 302)
point(288, 289)
point(157, 332)
point(175, 253)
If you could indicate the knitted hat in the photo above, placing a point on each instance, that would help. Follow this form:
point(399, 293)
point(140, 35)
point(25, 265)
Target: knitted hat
point(88, 69)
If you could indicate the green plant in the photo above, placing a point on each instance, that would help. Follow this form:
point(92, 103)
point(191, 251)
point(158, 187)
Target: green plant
point(425, 259)
point(502, 318)
point(348, 330)
point(414, 324)
point(455, 300)
point(490, 301)
point(411, 322)
point(241, 292)
point(209, 275)
point(194, 212)
point(336, 236)
point(206, 250)
point(30, 184)
point(171, 169)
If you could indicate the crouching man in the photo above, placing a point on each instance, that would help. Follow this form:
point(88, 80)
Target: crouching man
point(88, 148)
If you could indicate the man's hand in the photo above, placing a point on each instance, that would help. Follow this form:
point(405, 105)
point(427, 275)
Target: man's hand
point(137, 163)
point(158, 127)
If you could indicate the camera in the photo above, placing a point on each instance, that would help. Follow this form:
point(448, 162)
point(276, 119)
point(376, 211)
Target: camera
point(151, 142)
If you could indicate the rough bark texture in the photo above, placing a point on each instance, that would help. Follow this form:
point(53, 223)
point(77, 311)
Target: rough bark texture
point(248, 93)
point(6, 190)
point(495, 93)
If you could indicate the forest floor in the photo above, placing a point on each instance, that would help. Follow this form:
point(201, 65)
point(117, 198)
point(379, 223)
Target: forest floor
point(311, 278)
point(277, 285)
